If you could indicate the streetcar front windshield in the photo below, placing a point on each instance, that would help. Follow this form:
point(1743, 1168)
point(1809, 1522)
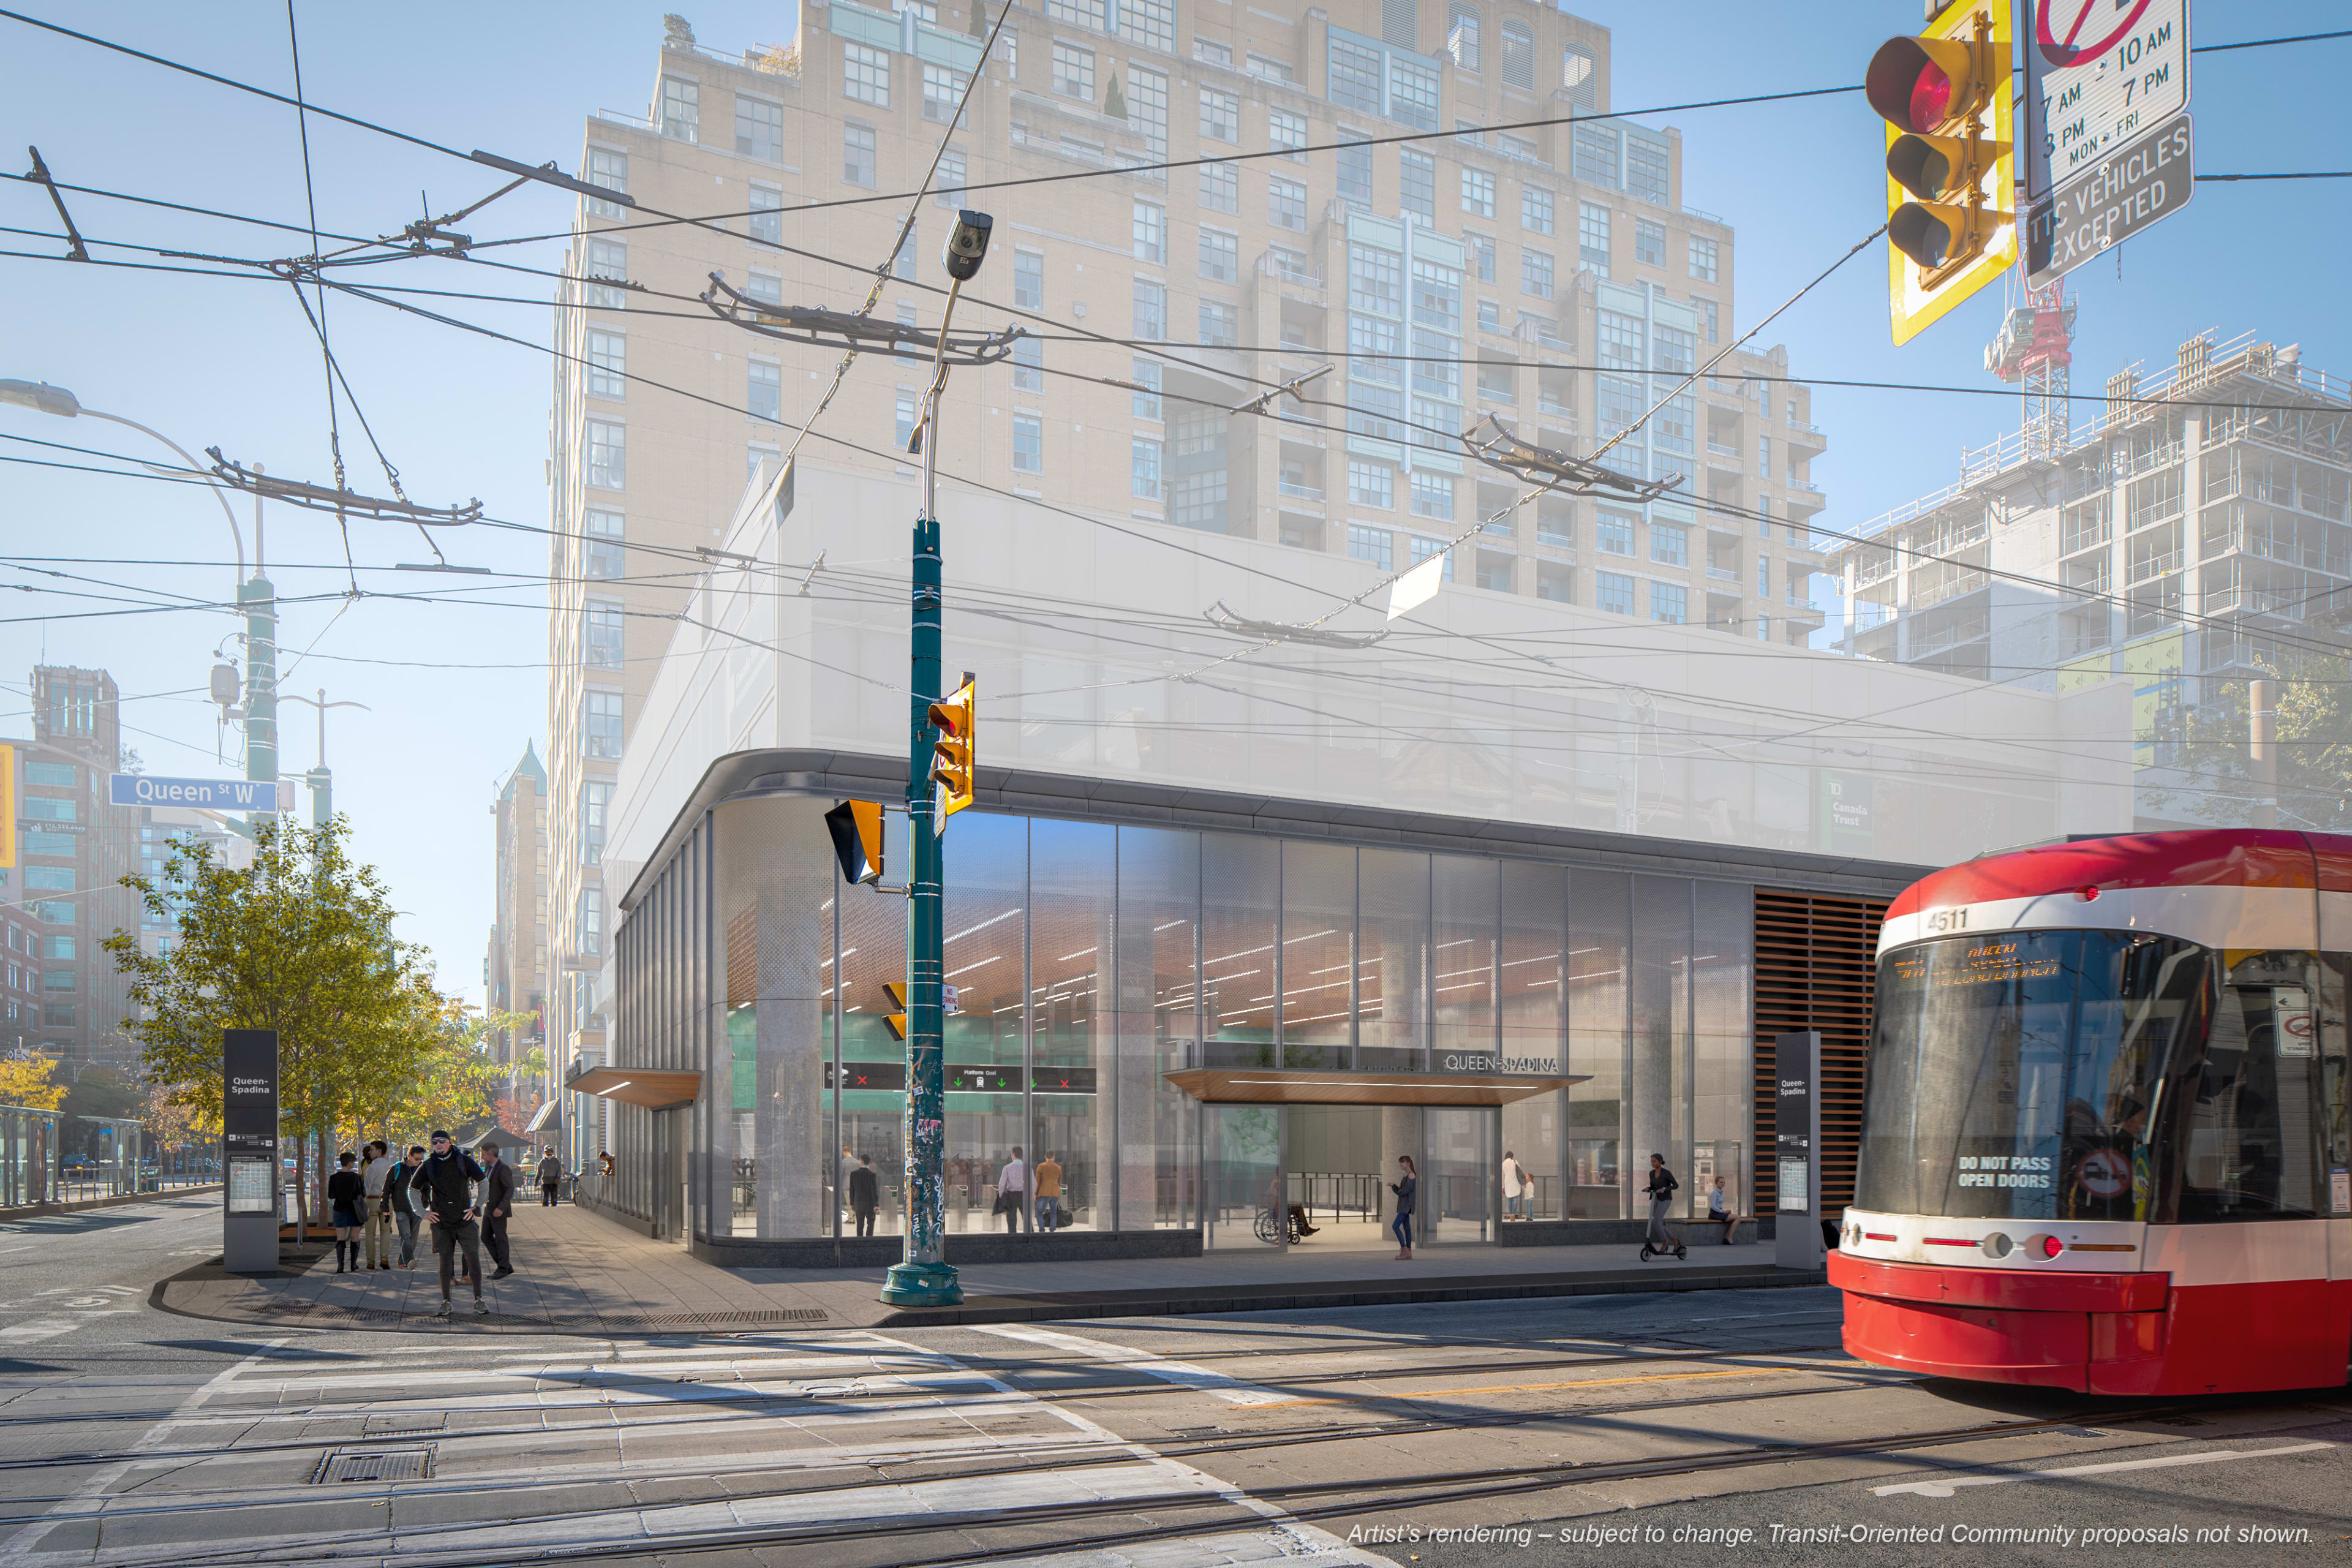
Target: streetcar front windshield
point(2015, 1076)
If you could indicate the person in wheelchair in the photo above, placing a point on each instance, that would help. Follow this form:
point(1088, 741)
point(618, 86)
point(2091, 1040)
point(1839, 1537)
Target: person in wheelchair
point(1300, 1227)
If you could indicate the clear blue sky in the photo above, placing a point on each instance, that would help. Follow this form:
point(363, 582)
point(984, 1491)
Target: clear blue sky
point(233, 363)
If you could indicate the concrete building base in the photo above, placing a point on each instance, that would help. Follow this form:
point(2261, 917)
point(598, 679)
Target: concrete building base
point(1616, 1232)
point(963, 1247)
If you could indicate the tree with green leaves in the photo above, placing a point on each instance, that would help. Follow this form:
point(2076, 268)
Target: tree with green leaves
point(2313, 728)
point(300, 942)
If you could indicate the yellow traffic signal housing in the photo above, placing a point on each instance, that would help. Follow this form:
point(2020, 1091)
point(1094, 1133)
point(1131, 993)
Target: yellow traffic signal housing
point(896, 1022)
point(856, 830)
point(953, 753)
point(1951, 224)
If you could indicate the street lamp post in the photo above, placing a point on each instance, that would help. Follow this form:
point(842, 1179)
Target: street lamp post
point(321, 781)
point(923, 1277)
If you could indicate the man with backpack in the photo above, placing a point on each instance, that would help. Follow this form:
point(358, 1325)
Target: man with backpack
point(446, 1181)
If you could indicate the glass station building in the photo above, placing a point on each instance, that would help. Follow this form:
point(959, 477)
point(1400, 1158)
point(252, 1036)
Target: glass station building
point(1190, 1003)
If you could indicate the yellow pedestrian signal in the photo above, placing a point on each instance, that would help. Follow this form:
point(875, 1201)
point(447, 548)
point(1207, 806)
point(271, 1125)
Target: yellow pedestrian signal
point(896, 1022)
point(1951, 222)
point(952, 754)
point(856, 830)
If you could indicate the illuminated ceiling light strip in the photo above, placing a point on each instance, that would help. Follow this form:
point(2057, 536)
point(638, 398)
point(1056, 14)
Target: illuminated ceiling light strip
point(983, 925)
point(968, 968)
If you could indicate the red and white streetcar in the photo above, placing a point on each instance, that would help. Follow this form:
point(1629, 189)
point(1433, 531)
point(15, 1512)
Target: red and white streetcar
point(2105, 1145)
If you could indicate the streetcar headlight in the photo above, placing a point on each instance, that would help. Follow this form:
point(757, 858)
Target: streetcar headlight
point(1998, 1245)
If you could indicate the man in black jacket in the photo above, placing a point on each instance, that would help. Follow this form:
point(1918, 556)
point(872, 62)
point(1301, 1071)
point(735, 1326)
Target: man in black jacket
point(497, 1208)
point(862, 1198)
point(445, 1183)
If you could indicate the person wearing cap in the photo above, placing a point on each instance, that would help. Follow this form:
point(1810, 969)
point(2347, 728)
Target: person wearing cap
point(444, 1180)
point(497, 1209)
point(550, 1176)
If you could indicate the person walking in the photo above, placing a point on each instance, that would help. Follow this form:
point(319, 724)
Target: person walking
point(550, 1176)
point(408, 1208)
point(1049, 1193)
point(374, 1215)
point(1013, 1192)
point(865, 1195)
point(497, 1209)
point(444, 1180)
point(1719, 1209)
point(347, 1196)
point(1406, 1190)
point(1514, 1186)
point(1661, 1191)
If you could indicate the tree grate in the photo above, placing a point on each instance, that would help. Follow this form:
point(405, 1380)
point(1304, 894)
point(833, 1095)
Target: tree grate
point(374, 1465)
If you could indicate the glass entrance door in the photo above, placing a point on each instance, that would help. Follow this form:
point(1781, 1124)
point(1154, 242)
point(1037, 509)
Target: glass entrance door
point(1245, 1186)
point(1462, 1184)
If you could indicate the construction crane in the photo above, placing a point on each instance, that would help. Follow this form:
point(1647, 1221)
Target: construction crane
point(2035, 350)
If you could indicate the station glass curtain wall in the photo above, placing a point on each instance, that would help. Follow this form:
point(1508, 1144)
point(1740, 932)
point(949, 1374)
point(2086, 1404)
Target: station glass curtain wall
point(1090, 959)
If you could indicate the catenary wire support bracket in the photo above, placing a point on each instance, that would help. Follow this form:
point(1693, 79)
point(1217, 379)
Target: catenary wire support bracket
point(348, 503)
point(40, 175)
point(1265, 400)
point(1225, 619)
point(848, 331)
point(1556, 471)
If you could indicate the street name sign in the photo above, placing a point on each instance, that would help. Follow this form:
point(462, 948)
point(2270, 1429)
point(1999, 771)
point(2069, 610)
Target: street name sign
point(203, 794)
point(2099, 74)
point(2140, 183)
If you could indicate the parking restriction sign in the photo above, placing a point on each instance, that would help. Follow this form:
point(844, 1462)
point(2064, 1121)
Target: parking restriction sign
point(2099, 74)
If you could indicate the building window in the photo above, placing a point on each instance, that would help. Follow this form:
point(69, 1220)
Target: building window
point(1490, 316)
point(610, 170)
point(1220, 254)
point(910, 246)
point(1375, 281)
point(681, 109)
point(942, 90)
point(1612, 533)
point(1764, 457)
point(1286, 130)
point(1029, 279)
point(1556, 581)
point(1150, 232)
point(604, 554)
point(602, 638)
point(768, 288)
point(1535, 209)
point(1420, 549)
point(1146, 110)
point(1412, 93)
point(1478, 192)
point(1084, 13)
point(1221, 187)
point(1578, 74)
point(1763, 576)
point(600, 724)
point(1645, 169)
point(1706, 310)
point(1150, 311)
point(1671, 349)
point(1592, 236)
point(949, 188)
point(608, 364)
point(1268, 68)
point(1518, 56)
point(1535, 273)
point(1620, 337)
point(1462, 37)
point(1353, 81)
point(1432, 494)
point(1221, 115)
point(1648, 243)
point(1614, 591)
point(759, 129)
point(1028, 364)
point(1074, 71)
point(57, 1015)
point(591, 920)
point(1703, 253)
point(865, 74)
point(1417, 184)
point(1143, 468)
point(856, 164)
point(1482, 254)
point(767, 213)
point(1286, 203)
point(1028, 444)
point(907, 319)
point(1373, 544)
point(1670, 603)
point(764, 391)
point(608, 266)
point(1670, 543)
point(595, 799)
point(1372, 484)
point(1593, 156)
point(1221, 325)
point(1151, 22)
point(608, 454)
point(905, 422)
point(1147, 389)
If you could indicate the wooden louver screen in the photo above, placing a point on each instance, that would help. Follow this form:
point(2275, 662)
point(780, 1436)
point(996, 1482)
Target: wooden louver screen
point(1816, 962)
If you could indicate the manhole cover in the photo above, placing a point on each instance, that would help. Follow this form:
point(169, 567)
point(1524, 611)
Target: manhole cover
point(374, 1465)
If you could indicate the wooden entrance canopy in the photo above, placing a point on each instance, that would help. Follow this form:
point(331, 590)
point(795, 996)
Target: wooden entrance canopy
point(1267, 1086)
point(637, 1086)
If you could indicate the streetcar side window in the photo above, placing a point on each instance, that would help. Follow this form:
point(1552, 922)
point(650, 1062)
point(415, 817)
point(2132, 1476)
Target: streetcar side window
point(2252, 1146)
point(2335, 1090)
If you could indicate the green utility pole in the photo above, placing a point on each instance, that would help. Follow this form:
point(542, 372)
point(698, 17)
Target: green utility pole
point(259, 598)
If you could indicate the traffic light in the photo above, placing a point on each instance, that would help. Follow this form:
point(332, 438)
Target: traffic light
point(953, 753)
point(1951, 224)
point(896, 991)
point(856, 830)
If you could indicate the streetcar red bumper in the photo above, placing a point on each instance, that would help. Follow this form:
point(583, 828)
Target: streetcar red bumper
point(2096, 1333)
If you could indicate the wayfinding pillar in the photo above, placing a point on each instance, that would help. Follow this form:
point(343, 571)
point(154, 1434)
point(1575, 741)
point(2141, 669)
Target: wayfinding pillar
point(250, 1151)
point(1796, 1149)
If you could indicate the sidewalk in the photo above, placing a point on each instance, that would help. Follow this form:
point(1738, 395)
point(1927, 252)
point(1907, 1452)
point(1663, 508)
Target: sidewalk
point(578, 1273)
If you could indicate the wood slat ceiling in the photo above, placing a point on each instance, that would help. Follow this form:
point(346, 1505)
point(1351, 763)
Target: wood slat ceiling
point(1816, 964)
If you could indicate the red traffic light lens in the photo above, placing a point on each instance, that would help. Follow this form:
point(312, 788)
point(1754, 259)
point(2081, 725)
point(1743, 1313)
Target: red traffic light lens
point(1919, 235)
point(1931, 97)
point(1911, 83)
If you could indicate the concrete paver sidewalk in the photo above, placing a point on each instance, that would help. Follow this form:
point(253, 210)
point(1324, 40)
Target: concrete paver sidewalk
point(579, 1273)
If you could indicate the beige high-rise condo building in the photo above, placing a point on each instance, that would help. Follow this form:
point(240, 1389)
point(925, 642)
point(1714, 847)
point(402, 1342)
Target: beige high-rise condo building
point(1540, 268)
